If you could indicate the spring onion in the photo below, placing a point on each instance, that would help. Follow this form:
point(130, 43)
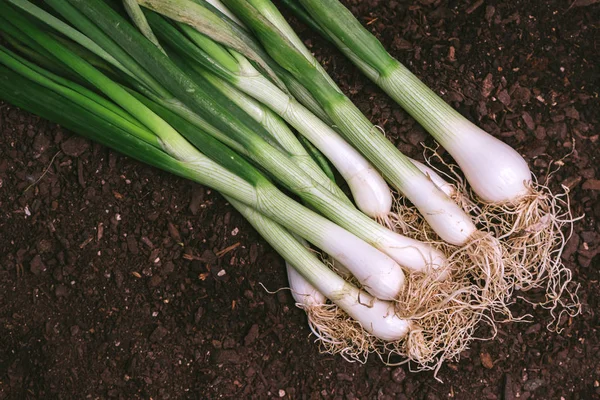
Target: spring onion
point(148, 107)
point(254, 190)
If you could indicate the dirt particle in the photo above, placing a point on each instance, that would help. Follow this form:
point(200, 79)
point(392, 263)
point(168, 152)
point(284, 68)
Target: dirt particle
point(521, 95)
point(226, 357)
point(591, 184)
point(174, 232)
point(533, 384)
point(198, 314)
point(487, 85)
point(572, 113)
point(252, 335)
point(132, 245)
point(37, 266)
point(401, 43)
point(486, 360)
point(75, 146)
point(154, 281)
point(572, 181)
point(41, 143)
point(504, 97)
point(61, 291)
point(528, 120)
point(398, 375)
point(167, 268)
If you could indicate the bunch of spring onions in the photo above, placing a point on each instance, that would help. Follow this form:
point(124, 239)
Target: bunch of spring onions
point(212, 94)
point(525, 215)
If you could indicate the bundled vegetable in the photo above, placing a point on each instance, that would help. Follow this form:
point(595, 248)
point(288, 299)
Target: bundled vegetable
point(525, 215)
point(128, 109)
point(188, 89)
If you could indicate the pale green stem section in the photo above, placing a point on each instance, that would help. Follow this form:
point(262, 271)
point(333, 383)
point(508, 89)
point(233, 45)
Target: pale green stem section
point(294, 252)
point(430, 111)
point(278, 129)
point(212, 25)
point(216, 51)
point(305, 98)
point(221, 7)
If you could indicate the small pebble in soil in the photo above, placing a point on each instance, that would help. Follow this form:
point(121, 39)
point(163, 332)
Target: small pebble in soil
point(486, 360)
point(75, 146)
point(37, 266)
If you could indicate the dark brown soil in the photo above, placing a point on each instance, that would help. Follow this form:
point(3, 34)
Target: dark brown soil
point(120, 281)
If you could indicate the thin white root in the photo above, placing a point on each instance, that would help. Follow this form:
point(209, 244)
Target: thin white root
point(532, 232)
point(520, 251)
point(444, 316)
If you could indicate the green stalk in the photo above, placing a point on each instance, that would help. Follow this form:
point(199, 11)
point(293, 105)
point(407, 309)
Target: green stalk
point(367, 52)
point(197, 29)
point(123, 61)
point(202, 98)
point(182, 44)
point(305, 17)
point(369, 190)
point(73, 86)
point(26, 94)
point(186, 89)
point(67, 30)
point(212, 49)
point(280, 132)
point(180, 148)
point(319, 158)
point(78, 94)
point(36, 57)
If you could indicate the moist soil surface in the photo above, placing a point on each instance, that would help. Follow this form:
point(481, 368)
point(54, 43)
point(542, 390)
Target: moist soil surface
point(120, 281)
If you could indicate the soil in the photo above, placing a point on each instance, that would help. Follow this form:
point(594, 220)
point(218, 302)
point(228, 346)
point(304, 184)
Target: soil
point(121, 281)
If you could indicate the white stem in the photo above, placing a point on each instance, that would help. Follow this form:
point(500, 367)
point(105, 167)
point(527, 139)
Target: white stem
point(495, 171)
point(444, 216)
point(377, 272)
point(278, 129)
point(303, 292)
point(415, 256)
